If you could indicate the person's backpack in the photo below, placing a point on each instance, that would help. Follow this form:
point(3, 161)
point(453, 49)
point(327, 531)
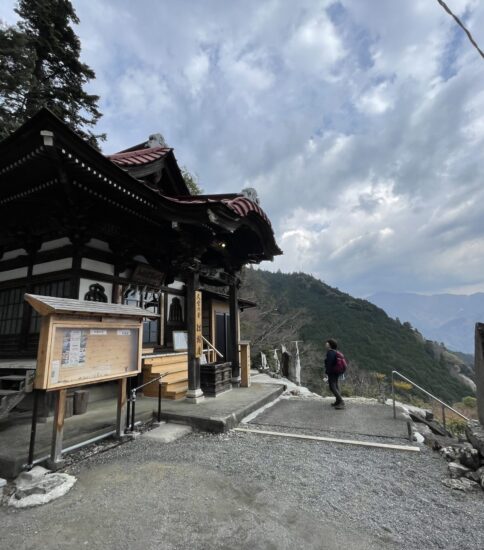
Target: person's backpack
point(341, 364)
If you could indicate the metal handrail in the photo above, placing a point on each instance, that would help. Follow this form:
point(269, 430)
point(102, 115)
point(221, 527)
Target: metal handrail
point(213, 347)
point(130, 412)
point(444, 405)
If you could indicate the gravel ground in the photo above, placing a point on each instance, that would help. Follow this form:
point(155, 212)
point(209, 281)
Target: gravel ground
point(243, 490)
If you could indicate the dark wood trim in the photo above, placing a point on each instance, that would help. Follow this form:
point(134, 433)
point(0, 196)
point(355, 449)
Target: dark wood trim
point(67, 251)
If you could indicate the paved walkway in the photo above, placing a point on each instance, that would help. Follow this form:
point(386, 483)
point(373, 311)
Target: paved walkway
point(359, 418)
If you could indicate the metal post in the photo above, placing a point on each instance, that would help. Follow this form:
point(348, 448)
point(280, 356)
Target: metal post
point(443, 417)
point(120, 412)
point(128, 405)
point(33, 429)
point(393, 397)
point(159, 401)
point(133, 404)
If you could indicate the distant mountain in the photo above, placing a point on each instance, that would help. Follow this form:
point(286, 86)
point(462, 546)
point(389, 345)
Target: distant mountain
point(447, 318)
point(299, 307)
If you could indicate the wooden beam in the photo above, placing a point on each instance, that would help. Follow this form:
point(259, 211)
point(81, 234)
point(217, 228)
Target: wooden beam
point(334, 440)
point(234, 333)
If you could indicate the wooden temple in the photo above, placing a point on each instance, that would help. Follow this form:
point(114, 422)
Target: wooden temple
point(124, 228)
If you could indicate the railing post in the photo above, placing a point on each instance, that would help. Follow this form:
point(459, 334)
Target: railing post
point(393, 397)
point(443, 417)
point(159, 400)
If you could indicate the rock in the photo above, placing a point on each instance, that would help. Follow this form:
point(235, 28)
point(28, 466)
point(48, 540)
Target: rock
point(429, 415)
point(469, 457)
point(40, 487)
point(26, 478)
point(432, 424)
point(457, 470)
point(475, 436)
point(462, 484)
point(473, 476)
point(49, 487)
point(450, 453)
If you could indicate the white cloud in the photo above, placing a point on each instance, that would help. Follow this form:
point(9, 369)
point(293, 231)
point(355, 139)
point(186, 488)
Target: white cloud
point(359, 122)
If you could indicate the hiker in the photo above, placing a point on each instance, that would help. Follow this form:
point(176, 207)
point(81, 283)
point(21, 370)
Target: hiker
point(332, 365)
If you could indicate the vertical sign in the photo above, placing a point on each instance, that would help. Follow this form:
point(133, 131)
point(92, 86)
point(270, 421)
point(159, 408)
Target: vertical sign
point(198, 324)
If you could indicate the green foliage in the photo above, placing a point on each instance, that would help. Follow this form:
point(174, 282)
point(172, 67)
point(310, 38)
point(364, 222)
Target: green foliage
point(366, 335)
point(40, 67)
point(470, 402)
point(402, 386)
point(457, 426)
point(191, 180)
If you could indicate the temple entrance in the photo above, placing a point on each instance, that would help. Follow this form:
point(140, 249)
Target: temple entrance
point(223, 337)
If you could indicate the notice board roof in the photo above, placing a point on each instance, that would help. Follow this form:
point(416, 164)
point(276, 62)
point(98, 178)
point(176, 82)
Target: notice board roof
point(47, 305)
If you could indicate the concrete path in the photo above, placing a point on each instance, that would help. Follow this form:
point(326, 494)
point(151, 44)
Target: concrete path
point(365, 419)
point(224, 412)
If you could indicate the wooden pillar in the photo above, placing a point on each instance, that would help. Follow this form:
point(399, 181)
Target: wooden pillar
point(234, 333)
point(194, 392)
point(245, 364)
point(58, 430)
point(121, 410)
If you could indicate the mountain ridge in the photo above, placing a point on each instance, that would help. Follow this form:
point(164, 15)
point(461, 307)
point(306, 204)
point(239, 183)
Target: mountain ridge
point(447, 318)
point(297, 306)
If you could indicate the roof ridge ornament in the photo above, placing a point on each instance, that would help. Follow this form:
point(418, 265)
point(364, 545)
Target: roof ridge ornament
point(155, 140)
point(251, 194)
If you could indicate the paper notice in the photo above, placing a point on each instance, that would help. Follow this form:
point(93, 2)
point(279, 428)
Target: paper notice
point(124, 332)
point(98, 332)
point(54, 372)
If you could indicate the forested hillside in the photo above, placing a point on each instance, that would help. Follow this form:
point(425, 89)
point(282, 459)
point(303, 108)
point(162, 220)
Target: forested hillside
point(299, 307)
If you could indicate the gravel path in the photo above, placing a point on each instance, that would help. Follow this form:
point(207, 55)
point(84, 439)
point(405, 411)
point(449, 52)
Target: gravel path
point(242, 490)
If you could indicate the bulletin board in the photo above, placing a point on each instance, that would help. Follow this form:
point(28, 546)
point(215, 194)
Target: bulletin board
point(74, 353)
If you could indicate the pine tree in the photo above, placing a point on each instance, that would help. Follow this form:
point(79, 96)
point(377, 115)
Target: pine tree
point(40, 66)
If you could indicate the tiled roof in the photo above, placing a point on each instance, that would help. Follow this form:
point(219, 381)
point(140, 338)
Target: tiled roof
point(239, 204)
point(139, 157)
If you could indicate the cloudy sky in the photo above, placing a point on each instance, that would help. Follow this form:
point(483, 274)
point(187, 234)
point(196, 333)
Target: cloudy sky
point(359, 122)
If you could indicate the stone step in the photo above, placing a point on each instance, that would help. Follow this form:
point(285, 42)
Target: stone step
point(13, 377)
point(9, 392)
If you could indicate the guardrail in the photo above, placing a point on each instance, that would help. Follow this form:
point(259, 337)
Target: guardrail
point(131, 405)
point(443, 405)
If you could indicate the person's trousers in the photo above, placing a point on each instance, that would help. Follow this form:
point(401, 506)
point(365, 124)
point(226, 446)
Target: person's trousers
point(333, 380)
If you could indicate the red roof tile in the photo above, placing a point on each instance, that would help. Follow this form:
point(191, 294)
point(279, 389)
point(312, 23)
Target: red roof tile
point(139, 157)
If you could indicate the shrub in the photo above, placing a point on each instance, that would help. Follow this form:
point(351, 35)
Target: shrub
point(470, 402)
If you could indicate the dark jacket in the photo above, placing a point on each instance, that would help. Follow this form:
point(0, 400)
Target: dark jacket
point(330, 361)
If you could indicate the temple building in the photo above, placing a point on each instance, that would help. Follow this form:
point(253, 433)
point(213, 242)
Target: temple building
point(124, 228)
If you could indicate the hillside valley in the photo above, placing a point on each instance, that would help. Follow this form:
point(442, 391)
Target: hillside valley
point(447, 318)
point(299, 307)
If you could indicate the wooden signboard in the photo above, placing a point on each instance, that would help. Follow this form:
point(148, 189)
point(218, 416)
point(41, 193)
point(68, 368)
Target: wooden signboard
point(86, 342)
point(81, 352)
point(198, 324)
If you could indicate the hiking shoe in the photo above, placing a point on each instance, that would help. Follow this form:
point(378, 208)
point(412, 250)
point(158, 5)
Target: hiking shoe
point(334, 404)
point(340, 406)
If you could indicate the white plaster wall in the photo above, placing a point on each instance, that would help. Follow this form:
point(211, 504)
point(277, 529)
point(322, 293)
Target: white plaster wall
point(95, 265)
point(55, 265)
point(12, 274)
point(57, 243)
point(99, 245)
point(12, 254)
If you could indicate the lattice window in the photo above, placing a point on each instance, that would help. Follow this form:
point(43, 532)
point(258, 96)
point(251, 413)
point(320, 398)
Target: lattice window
point(59, 289)
point(11, 310)
point(151, 302)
